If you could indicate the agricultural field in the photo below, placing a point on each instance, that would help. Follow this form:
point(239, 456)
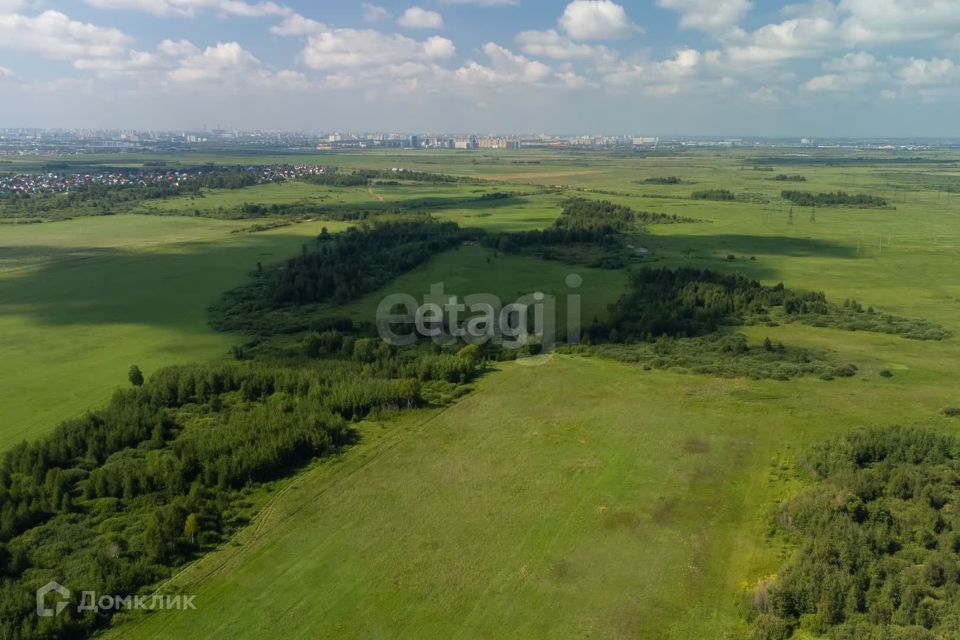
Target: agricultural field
point(566, 496)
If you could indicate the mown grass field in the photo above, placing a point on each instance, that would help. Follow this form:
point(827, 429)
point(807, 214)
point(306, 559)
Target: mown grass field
point(582, 498)
point(82, 300)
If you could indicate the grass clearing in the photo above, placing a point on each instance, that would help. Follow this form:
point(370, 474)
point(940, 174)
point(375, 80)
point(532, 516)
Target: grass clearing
point(82, 300)
point(582, 497)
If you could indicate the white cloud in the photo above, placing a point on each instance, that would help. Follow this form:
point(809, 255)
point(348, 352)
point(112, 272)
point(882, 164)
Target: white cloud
point(355, 48)
point(791, 39)
point(374, 12)
point(505, 68)
point(54, 35)
point(854, 62)
point(830, 82)
point(420, 18)
point(12, 6)
point(189, 8)
point(133, 62)
point(687, 68)
point(551, 44)
point(719, 17)
point(5, 73)
point(878, 21)
point(214, 63)
point(935, 71)
point(228, 63)
point(177, 48)
point(595, 20)
point(297, 25)
point(821, 27)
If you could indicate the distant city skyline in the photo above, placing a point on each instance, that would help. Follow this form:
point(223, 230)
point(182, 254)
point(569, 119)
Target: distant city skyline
point(844, 68)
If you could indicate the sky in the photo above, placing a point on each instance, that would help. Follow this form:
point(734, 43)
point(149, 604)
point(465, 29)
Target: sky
point(824, 68)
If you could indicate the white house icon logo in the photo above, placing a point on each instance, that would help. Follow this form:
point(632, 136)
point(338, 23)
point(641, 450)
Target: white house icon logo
point(42, 592)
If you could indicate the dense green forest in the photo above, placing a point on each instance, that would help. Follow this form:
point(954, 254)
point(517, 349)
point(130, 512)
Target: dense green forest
point(837, 199)
point(363, 177)
point(588, 232)
point(719, 195)
point(689, 302)
point(663, 180)
point(337, 268)
point(877, 542)
point(683, 318)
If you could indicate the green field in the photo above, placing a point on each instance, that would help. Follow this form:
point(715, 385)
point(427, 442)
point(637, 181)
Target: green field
point(577, 498)
point(580, 498)
point(82, 300)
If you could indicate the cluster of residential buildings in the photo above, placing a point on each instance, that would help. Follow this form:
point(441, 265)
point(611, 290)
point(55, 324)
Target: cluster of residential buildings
point(346, 141)
point(62, 142)
point(65, 181)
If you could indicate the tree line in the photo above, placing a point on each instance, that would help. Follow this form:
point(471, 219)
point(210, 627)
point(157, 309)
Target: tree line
point(363, 177)
point(836, 199)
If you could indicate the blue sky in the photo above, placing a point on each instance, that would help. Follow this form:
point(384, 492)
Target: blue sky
point(878, 68)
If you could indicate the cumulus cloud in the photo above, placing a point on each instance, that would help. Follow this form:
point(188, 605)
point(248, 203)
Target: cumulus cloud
point(935, 71)
point(667, 76)
point(177, 48)
point(596, 20)
point(374, 12)
point(355, 48)
point(882, 21)
point(54, 35)
point(420, 18)
point(719, 17)
point(12, 6)
point(130, 63)
point(297, 25)
point(228, 63)
point(791, 39)
point(829, 82)
point(505, 68)
point(189, 8)
point(550, 44)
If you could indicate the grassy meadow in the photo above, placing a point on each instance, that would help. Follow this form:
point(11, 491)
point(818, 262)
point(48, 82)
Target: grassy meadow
point(579, 498)
point(82, 300)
